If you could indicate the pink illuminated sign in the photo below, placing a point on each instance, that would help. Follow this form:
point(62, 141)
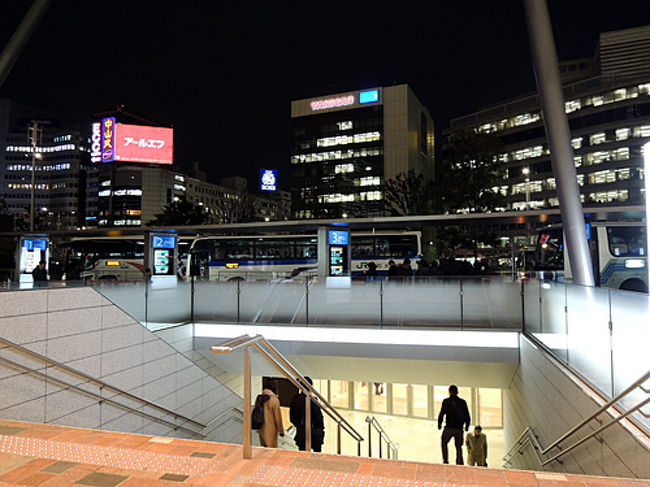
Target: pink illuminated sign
point(137, 143)
point(339, 101)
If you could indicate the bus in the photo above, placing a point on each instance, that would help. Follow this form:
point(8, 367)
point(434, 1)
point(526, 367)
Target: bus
point(119, 258)
point(227, 258)
point(618, 252)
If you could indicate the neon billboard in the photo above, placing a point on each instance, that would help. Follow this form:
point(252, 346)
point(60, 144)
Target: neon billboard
point(339, 101)
point(96, 142)
point(268, 179)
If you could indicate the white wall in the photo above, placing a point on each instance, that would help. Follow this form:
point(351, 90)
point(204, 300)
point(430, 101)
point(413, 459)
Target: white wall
point(546, 397)
point(80, 328)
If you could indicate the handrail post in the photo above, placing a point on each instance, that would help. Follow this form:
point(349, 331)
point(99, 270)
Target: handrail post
point(248, 451)
point(306, 300)
point(308, 422)
point(381, 304)
point(461, 305)
point(338, 438)
point(380, 454)
point(238, 298)
point(192, 298)
point(358, 448)
point(369, 439)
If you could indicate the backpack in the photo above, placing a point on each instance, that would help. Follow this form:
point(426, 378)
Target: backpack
point(257, 416)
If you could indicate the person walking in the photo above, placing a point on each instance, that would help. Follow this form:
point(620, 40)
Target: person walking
point(457, 415)
point(297, 416)
point(39, 275)
point(272, 425)
point(476, 444)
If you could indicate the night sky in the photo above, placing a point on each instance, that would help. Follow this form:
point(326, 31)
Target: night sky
point(224, 73)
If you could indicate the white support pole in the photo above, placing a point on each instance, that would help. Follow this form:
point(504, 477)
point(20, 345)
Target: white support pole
point(646, 180)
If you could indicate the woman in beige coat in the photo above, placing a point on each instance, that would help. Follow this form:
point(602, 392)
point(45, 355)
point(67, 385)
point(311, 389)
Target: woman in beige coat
point(272, 419)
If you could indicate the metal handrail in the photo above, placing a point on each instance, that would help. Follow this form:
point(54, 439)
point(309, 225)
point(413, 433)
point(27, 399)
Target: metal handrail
point(278, 360)
point(101, 399)
point(103, 384)
point(529, 436)
point(391, 448)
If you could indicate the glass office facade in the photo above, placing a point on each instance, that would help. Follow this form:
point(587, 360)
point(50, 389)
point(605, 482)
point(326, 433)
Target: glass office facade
point(337, 163)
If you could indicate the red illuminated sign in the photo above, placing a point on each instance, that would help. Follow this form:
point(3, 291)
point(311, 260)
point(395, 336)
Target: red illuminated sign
point(340, 101)
point(137, 143)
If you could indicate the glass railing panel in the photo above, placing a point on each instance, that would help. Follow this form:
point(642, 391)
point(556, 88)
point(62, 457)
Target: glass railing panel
point(492, 302)
point(128, 296)
point(215, 301)
point(630, 339)
point(532, 309)
point(435, 302)
point(358, 305)
point(168, 305)
point(273, 302)
point(553, 330)
point(588, 334)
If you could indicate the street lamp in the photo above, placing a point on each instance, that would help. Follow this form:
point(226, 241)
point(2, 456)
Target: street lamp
point(34, 132)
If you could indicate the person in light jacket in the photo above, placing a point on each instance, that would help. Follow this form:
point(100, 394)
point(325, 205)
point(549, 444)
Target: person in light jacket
point(272, 426)
point(476, 448)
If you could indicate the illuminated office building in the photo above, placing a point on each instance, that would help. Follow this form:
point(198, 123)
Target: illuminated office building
point(345, 146)
point(61, 168)
point(609, 119)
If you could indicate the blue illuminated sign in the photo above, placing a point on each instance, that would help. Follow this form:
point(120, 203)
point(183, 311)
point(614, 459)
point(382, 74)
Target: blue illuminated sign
point(370, 96)
point(160, 242)
point(268, 179)
point(35, 244)
point(338, 237)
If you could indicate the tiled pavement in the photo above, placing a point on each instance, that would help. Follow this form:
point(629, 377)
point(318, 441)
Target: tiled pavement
point(34, 454)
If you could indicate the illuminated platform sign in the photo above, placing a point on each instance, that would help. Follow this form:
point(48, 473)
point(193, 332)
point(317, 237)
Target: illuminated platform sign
point(268, 179)
point(338, 101)
point(370, 96)
point(338, 237)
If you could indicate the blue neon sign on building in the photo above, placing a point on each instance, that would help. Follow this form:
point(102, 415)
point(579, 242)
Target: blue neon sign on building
point(370, 96)
point(269, 179)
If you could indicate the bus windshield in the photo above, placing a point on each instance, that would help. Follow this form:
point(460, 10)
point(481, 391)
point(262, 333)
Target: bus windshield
point(550, 250)
point(627, 241)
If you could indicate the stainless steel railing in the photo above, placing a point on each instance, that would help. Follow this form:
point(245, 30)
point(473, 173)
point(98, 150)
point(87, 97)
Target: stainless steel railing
point(268, 351)
point(392, 449)
point(102, 385)
point(528, 435)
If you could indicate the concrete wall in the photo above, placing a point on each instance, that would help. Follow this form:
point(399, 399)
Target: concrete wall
point(80, 328)
point(551, 400)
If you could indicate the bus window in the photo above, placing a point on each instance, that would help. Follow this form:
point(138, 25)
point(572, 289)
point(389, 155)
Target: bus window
point(362, 247)
point(396, 246)
point(550, 248)
point(626, 241)
point(273, 249)
point(306, 249)
point(236, 249)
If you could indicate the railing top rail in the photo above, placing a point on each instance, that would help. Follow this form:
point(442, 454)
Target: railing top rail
point(289, 371)
point(382, 432)
point(95, 380)
point(601, 410)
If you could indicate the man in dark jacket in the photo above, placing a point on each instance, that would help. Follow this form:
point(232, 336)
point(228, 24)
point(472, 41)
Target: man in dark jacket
point(455, 409)
point(39, 274)
point(297, 417)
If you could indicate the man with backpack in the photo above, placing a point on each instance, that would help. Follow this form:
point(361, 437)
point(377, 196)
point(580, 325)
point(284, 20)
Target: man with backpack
point(457, 413)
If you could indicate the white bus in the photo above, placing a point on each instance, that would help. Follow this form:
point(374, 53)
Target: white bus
point(226, 258)
point(618, 252)
point(119, 258)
